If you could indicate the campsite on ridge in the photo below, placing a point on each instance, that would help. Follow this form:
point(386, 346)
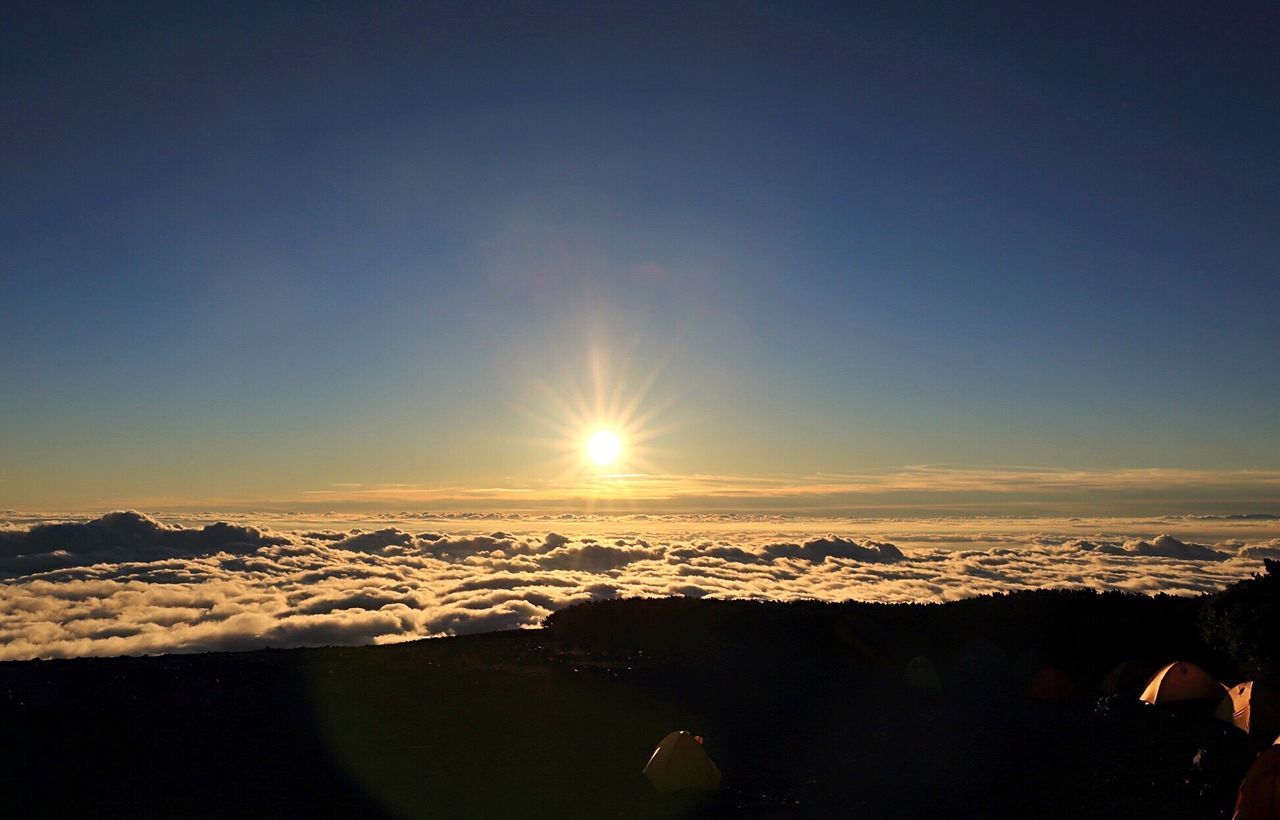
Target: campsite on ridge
point(891, 711)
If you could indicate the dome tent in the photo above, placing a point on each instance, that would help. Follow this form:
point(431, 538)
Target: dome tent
point(1179, 682)
point(1259, 794)
point(1251, 707)
point(680, 763)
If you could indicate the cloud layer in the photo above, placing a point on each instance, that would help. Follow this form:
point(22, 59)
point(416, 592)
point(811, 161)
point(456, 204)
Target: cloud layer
point(992, 490)
point(125, 583)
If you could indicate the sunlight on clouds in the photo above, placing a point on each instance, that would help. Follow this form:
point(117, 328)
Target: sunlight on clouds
point(125, 583)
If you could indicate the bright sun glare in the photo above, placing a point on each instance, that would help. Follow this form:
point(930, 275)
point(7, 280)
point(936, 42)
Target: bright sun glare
point(603, 447)
point(603, 431)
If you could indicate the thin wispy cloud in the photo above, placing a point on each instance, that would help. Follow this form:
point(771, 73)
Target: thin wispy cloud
point(935, 486)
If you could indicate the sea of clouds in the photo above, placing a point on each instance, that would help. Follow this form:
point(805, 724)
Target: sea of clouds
point(126, 583)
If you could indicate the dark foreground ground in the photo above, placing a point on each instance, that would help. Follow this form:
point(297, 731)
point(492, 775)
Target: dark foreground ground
point(802, 705)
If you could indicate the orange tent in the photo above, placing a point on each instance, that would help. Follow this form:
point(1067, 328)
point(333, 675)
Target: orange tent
point(1259, 795)
point(1052, 685)
point(1179, 682)
point(1252, 707)
point(680, 763)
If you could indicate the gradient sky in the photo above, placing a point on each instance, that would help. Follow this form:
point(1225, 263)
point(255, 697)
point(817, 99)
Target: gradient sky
point(251, 252)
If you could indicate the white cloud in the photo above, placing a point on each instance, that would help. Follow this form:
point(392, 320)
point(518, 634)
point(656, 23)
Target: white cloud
point(1163, 546)
point(128, 584)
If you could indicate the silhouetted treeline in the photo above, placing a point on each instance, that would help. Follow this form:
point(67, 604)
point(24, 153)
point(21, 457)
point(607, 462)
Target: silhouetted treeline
point(1084, 630)
point(1243, 621)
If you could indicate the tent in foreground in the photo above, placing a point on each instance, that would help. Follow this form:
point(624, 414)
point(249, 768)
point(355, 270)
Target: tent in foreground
point(1252, 707)
point(680, 763)
point(1179, 682)
point(1259, 795)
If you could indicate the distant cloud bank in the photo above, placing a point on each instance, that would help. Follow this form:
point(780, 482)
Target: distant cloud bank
point(125, 583)
point(992, 490)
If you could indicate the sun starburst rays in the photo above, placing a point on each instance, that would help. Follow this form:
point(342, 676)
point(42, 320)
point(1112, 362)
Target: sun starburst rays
point(602, 433)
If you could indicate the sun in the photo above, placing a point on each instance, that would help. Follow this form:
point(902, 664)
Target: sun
point(603, 430)
point(604, 447)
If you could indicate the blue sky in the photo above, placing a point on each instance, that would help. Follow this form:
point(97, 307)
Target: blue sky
point(254, 251)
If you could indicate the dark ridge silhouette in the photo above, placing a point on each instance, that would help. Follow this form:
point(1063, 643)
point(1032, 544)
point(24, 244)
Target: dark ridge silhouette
point(802, 705)
point(1244, 621)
